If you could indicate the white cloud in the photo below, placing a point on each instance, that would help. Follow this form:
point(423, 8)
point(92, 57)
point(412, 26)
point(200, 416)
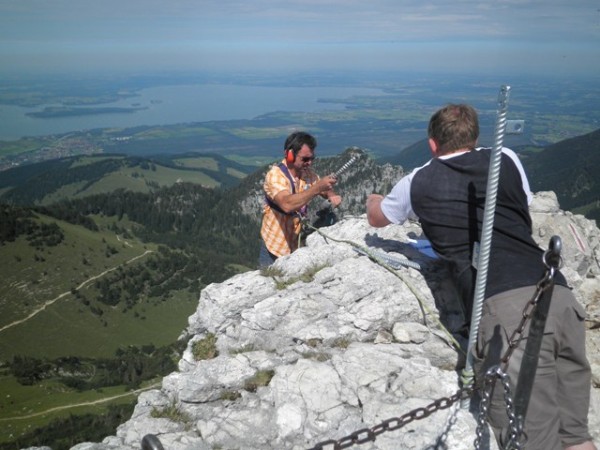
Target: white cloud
point(325, 29)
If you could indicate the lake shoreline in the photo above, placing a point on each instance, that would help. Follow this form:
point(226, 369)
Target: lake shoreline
point(51, 112)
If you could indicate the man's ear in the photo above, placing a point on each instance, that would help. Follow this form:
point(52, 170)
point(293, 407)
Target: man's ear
point(433, 146)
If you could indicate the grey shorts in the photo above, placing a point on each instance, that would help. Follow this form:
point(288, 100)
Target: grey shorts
point(558, 408)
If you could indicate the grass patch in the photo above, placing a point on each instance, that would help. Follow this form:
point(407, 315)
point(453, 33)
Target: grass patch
point(140, 180)
point(230, 395)
point(26, 408)
point(200, 162)
point(171, 412)
point(36, 275)
point(281, 283)
point(314, 342)
point(316, 356)
point(271, 272)
point(68, 325)
point(261, 378)
point(205, 348)
point(340, 343)
point(309, 274)
point(23, 145)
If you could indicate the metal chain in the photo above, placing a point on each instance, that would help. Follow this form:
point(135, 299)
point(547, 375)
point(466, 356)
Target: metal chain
point(369, 434)
point(516, 433)
point(517, 335)
point(515, 427)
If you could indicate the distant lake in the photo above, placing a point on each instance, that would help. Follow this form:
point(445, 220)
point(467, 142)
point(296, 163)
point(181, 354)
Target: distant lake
point(166, 105)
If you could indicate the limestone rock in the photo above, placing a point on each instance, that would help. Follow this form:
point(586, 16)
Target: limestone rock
point(328, 342)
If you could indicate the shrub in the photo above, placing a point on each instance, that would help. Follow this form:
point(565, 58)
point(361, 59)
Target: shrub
point(307, 276)
point(205, 348)
point(171, 412)
point(230, 395)
point(261, 378)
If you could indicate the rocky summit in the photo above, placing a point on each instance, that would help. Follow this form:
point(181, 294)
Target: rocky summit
point(330, 341)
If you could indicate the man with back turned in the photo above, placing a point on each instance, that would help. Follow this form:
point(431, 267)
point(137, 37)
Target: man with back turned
point(447, 196)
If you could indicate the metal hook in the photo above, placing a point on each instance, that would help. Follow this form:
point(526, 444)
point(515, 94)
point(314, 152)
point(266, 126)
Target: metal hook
point(552, 258)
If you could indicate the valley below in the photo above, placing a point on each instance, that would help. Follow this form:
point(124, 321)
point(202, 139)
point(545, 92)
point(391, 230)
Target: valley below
point(109, 234)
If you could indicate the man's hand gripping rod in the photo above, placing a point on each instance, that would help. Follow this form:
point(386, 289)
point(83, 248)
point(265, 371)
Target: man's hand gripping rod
point(326, 203)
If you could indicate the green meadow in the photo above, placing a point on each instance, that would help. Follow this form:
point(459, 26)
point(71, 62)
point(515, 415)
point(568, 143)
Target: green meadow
point(23, 409)
point(49, 309)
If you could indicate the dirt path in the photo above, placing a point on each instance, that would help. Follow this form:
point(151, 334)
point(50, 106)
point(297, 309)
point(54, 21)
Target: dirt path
point(75, 405)
point(64, 294)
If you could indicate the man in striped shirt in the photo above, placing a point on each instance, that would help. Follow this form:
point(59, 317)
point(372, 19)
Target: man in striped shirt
point(289, 186)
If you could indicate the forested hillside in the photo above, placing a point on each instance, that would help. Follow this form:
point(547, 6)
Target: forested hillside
point(123, 268)
point(200, 234)
point(183, 216)
point(95, 292)
point(77, 177)
point(414, 155)
point(569, 168)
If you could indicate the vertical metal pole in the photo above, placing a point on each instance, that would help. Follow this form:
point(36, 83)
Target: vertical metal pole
point(486, 233)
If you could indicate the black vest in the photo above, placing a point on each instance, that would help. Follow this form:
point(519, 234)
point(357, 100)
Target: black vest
point(448, 196)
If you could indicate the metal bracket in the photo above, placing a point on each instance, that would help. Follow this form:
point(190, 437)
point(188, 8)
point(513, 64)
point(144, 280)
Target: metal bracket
point(515, 126)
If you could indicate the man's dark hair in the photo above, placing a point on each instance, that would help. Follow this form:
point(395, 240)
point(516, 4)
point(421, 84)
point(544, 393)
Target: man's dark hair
point(296, 140)
point(454, 127)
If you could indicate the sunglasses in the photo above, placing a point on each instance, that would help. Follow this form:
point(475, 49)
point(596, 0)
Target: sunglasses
point(307, 158)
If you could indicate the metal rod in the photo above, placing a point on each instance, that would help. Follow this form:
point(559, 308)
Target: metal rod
point(345, 166)
point(486, 231)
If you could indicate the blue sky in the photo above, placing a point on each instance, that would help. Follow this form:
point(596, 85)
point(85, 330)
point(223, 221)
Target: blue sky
point(460, 36)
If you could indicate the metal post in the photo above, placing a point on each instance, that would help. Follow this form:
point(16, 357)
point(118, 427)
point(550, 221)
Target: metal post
point(482, 261)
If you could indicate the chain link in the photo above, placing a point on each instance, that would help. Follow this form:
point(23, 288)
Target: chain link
point(369, 434)
point(516, 434)
point(515, 427)
point(517, 335)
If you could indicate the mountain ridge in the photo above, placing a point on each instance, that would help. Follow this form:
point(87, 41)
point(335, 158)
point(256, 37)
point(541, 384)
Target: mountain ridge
point(176, 208)
point(348, 346)
point(79, 176)
point(568, 168)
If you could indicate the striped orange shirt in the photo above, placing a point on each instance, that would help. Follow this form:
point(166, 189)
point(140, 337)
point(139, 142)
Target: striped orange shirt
point(280, 231)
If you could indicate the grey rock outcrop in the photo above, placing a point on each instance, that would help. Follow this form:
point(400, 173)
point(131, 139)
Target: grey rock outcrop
point(329, 342)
